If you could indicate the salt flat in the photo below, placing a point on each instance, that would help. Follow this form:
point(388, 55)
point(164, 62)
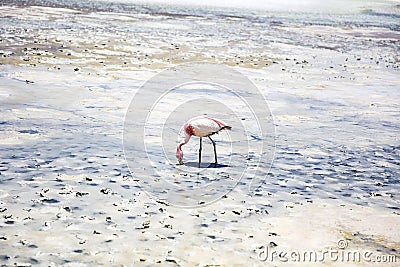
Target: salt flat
point(69, 72)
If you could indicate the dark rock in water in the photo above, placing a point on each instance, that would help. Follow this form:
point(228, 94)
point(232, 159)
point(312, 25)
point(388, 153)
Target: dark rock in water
point(162, 202)
point(272, 244)
point(80, 194)
point(236, 212)
point(171, 260)
point(146, 224)
point(4, 257)
point(49, 200)
point(29, 131)
point(67, 209)
point(33, 261)
point(105, 191)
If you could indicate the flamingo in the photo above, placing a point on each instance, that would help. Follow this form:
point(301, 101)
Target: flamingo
point(201, 126)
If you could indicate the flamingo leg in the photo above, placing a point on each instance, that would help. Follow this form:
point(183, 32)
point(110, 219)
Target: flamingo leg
point(200, 152)
point(215, 151)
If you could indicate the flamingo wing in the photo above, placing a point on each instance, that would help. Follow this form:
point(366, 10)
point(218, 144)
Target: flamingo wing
point(203, 126)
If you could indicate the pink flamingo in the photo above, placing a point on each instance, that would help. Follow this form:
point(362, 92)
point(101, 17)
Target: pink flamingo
point(201, 126)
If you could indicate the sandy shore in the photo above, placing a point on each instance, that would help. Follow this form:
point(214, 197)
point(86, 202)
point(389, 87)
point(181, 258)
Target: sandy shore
point(67, 197)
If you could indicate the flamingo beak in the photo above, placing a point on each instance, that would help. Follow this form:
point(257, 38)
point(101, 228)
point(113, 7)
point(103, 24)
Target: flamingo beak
point(180, 161)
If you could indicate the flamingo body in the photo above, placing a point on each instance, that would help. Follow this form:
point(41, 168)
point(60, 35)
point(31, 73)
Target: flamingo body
point(200, 126)
point(203, 126)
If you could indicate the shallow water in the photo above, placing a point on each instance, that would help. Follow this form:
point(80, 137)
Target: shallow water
point(70, 69)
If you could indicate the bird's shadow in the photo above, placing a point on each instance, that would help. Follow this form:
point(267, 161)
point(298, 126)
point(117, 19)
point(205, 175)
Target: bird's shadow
point(194, 164)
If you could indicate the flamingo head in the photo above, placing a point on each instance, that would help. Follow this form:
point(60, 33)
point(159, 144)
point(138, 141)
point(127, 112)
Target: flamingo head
point(179, 154)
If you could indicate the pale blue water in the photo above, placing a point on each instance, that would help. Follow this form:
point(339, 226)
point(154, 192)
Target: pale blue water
point(366, 39)
point(68, 70)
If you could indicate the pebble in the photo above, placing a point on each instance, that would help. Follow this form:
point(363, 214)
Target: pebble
point(80, 194)
point(106, 191)
point(272, 244)
point(237, 212)
point(146, 225)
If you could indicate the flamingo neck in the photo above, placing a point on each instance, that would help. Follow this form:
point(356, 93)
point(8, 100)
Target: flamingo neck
point(180, 146)
point(187, 137)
